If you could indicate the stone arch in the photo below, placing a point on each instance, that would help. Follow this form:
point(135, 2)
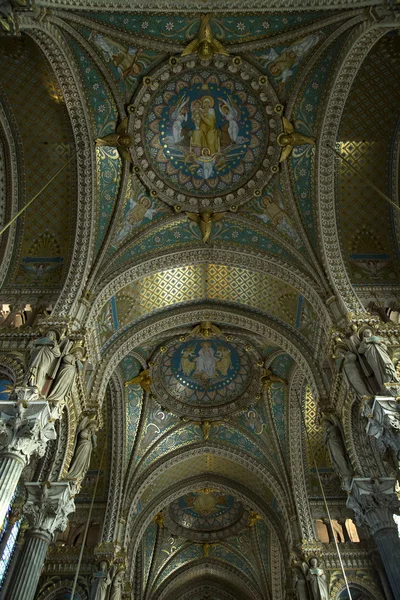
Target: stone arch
point(49, 39)
point(357, 48)
point(189, 571)
point(262, 326)
point(166, 496)
point(277, 267)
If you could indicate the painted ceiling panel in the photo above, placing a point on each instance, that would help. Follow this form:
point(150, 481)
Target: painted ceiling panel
point(366, 136)
point(204, 282)
point(42, 254)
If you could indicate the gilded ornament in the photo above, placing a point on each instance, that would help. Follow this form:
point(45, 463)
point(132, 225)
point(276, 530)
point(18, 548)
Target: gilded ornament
point(253, 518)
point(205, 329)
point(291, 138)
point(143, 379)
point(269, 378)
point(205, 221)
point(205, 45)
point(159, 520)
point(121, 140)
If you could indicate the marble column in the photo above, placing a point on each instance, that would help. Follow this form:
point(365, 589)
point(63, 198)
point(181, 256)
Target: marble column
point(374, 502)
point(26, 425)
point(46, 510)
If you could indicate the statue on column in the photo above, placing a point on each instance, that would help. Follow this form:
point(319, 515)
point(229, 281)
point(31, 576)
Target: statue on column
point(300, 585)
point(316, 579)
point(353, 372)
point(116, 590)
point(101, 582)
point(44, 357)
point(377, 357)
point(333, 439)
point(71, 363)
point(86, 441)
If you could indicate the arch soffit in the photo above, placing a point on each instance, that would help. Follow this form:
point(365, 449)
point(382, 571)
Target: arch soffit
point(221, 588)
point(257, 324)
point(272, 266)
point(174, 558)
point(49, 39)
point(355, 51)
point(207, 567)
point(233, 455)
point(12, 191)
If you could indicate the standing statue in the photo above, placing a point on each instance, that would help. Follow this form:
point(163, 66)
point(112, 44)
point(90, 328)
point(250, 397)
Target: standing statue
point(62, 386)
point(83, 450)
point(116, 590)
point(43, 358)
point(316, 578)
point(377, 357)
point(353, 372)
point(333, 439)
point(100, 583)
point(300, 586)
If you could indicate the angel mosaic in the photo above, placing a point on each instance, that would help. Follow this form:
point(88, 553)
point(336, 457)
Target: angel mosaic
point(127, 60)
point(281, 63)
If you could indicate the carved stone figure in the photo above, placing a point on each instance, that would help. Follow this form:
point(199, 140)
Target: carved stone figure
point(83, 450)
point(205, 45)
point(300, 586)
point(375, 352)
point(143, 379)
point(353, 373)
point(291, 138)
point(100, 582)
point(317, 583)
point(383, 424)
point(333, 439)
point(121, 140)
point(205, 221)
point(43, 358)
point(66, 375)
point(116, 590)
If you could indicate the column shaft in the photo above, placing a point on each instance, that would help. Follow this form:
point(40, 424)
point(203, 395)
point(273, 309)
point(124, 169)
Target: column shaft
point(29, 566)
point(10, 471)
point(388, 544)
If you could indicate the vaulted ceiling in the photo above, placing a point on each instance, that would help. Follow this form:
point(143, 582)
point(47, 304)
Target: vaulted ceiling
point(209, 468)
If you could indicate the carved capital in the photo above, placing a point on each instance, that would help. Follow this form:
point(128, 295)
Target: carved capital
point(48, 506)
point(374, 502)
point(26, 423)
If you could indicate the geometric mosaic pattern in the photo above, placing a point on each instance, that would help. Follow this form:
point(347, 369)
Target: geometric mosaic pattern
point(196, 283)
point(368, 125)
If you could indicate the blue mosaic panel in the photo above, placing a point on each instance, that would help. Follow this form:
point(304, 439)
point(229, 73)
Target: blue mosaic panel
point(126, 62)
point(105, 118)
point(305, 117)
point(177, 28)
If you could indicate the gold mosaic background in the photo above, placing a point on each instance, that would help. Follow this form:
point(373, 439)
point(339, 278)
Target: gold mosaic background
point(207, 282)
point(366, 132)
point(32, 90)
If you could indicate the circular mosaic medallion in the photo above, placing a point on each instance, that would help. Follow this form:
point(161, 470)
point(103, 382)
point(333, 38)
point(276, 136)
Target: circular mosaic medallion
point(206, 133)
point(206, 511)
point(204, 377)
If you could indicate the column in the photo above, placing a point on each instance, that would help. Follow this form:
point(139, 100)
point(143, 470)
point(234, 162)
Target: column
point(331, 533)
point(374, 502)
point(342, 523)
point(26, 425)
point(47, 510)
